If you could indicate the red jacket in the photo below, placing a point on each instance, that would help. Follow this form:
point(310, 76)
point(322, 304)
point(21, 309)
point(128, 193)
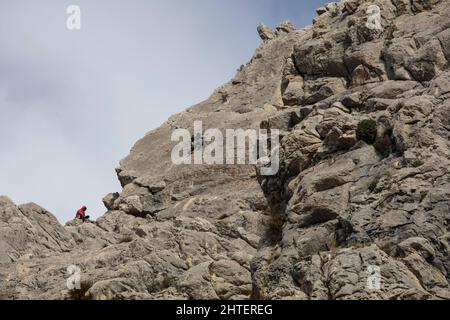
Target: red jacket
point(81, 212)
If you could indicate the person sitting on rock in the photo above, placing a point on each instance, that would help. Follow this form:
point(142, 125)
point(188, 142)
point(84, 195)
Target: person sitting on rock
point(81, 214)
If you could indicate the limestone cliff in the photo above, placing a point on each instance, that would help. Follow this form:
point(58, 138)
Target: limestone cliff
point(364, 114)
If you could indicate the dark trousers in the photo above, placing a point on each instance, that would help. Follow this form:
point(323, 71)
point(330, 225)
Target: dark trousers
point(84, 218)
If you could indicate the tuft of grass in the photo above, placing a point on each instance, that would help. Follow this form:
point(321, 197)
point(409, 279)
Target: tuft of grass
point(423, 195)
point(373, 186)
point(367, 131)
point(417, 163)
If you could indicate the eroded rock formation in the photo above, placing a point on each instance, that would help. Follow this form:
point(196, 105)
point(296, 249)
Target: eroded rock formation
point(364, 116)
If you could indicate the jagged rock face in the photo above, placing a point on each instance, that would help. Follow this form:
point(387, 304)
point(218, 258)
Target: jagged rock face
point(31, 230)
point(365, 177)
point(364, 180)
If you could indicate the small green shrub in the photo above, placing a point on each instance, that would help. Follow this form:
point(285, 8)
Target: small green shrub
point(367, 131)
point(423, 195)
point(417, 163)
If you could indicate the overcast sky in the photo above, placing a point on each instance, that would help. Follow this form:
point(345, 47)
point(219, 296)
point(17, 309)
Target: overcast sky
point(72, 103)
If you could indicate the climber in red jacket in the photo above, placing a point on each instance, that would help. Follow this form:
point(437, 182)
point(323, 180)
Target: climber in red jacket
point(81, 214)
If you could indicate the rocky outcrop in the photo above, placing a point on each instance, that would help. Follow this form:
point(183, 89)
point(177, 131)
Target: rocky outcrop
point(362, 193)
point(351, 203)
point(31, 230)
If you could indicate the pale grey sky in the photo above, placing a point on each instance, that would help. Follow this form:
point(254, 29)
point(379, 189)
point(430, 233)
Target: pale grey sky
point(72, 103)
